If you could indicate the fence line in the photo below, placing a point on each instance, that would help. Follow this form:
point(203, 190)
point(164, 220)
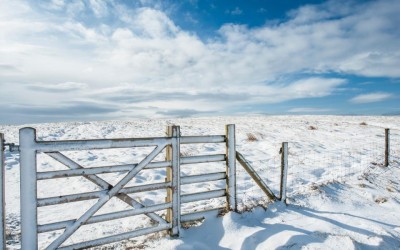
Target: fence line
point(309, 166)
point(313, 165)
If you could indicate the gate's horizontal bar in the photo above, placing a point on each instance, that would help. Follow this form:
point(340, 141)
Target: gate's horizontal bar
point(98, 194)
point(203, 178)
point(202, 139)
point(97, 170)
point(203, 195)
point(147, 187)
point(41, 202)
point(73, 145)
point(200, 215)
point(202, 159)
point(118, 237)
point(105, 217)
point(126, 167)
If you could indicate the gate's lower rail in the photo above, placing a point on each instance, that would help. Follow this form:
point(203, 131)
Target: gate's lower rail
point(119, 237)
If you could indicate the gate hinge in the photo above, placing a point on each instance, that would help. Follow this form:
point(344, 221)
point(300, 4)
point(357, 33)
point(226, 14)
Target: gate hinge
point(12, 147)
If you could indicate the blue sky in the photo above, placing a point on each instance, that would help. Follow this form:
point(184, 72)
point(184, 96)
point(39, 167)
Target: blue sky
point(96, 60)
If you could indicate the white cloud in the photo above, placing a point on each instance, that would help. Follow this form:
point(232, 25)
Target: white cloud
point(99, 7)
point(73, 8)
point(371, 97)
point(235, 12)
point(58, 87)
point(314, 87)
point(56, 4)
point(261, 10)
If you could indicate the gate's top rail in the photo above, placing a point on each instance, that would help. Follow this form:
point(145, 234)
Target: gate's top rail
point(203, 139)
point(92, 144)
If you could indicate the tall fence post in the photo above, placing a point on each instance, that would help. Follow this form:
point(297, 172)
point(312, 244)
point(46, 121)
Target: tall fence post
point(231, 167)
point(27, 141)
point(284, 170)
point(173, 176)
point(2, 196)
point(387, 146)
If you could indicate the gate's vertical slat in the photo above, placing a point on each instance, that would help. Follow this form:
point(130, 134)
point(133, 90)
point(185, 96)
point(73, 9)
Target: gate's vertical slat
point(173, 175)
point(231, 167)
point(2, 196)
point(168, 157)
point(27, 141)
point(284, 170)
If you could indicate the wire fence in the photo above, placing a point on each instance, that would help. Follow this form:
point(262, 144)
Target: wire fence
point(394, 147)
point(331, 158)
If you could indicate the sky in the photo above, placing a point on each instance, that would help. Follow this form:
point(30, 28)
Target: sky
point(109, 60)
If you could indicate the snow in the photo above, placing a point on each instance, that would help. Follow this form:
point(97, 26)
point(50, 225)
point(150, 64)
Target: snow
point(339, 194)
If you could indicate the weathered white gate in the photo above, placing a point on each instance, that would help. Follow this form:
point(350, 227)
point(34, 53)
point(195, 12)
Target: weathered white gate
point(29, 148)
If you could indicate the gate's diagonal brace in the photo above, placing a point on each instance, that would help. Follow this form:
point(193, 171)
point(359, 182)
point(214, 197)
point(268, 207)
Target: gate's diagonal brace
point(246, 165)
point(103, 184)
point(103, 200)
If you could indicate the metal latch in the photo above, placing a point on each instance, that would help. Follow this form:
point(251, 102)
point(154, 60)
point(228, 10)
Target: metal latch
point(12, 147)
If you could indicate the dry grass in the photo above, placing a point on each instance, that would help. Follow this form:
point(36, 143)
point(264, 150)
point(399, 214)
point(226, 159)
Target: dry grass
point(194, 223)
point(185, 153)
point(312, 128)
point(251, 137)
point(380, 200)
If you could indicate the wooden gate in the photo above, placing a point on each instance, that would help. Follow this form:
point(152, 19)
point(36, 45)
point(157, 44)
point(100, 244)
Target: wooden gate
point(29, 148)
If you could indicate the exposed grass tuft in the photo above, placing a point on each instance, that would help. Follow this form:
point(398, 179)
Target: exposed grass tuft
point(380, 200)
point(312, 128)
point(251, 137)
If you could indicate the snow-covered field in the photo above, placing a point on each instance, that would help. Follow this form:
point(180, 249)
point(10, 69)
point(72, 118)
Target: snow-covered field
point(340, 195)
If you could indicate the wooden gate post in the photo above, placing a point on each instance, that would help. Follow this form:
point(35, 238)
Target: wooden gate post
point(231, 167)
point(2, 196)
point(387, 146)
point(173, 176)
point(27, 142)
point(284, 170)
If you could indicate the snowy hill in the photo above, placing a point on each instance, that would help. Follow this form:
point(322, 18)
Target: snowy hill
point(340, 194)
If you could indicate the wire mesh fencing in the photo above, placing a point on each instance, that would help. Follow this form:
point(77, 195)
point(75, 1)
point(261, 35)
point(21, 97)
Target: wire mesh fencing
point(323, 165)
point(265, 164)
point(394, 156)
point(338, 159)
point(326, 157)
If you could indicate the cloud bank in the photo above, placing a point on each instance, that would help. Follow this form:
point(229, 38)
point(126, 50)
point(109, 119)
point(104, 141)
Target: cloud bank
point(136, 60)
